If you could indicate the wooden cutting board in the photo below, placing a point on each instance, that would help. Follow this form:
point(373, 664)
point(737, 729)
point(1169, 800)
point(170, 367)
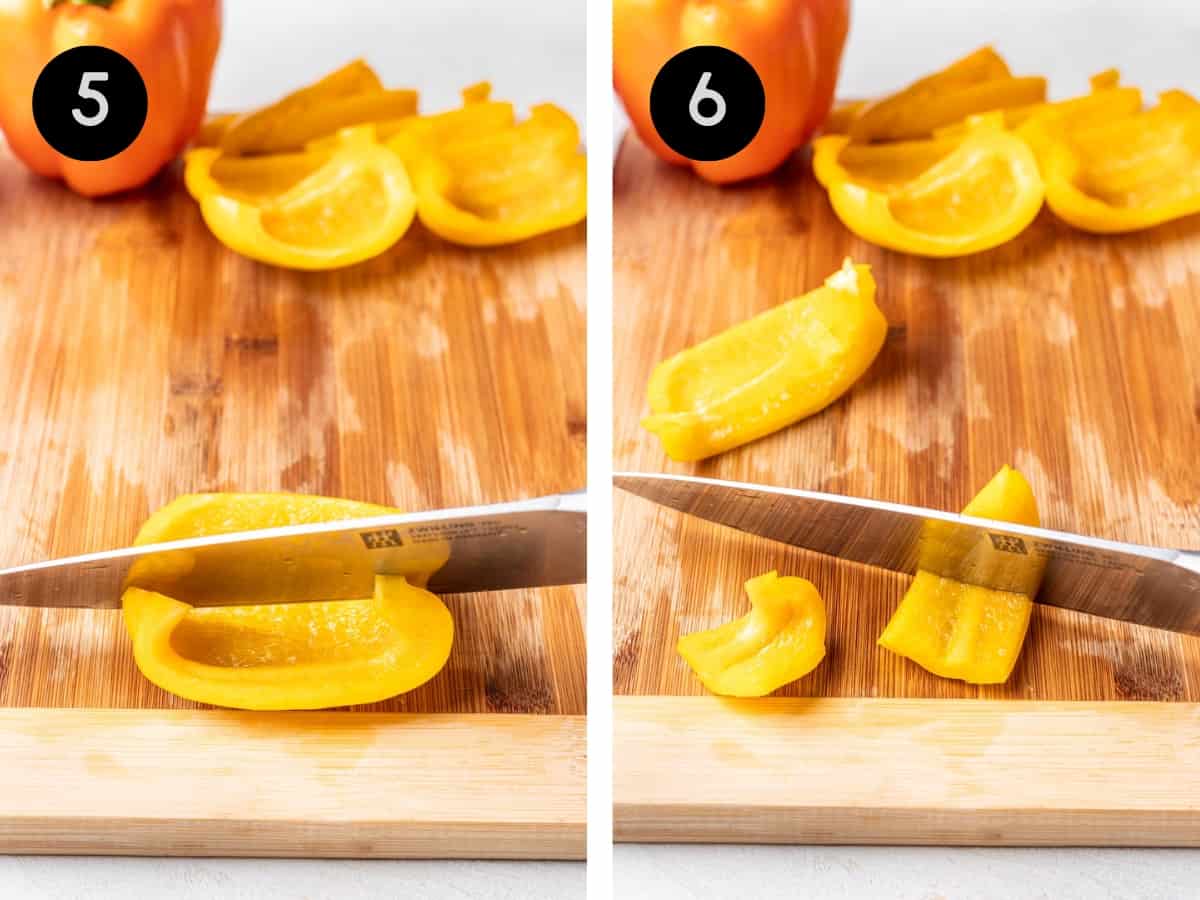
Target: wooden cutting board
point(143, 360)
point(1068, 355)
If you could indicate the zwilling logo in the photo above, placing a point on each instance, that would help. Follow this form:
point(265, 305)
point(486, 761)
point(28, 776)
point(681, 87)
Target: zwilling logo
point(1008, 544)
point(376, 540)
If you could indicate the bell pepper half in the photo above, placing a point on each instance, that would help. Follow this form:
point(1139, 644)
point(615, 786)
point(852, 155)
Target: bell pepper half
point(781, 639)
point(309, 210)
point(351, 95)
point(1128, 172)
point(481, 181)
point(964, 631)
point(795, 47)
point(173, 45)
point(940, 197)
point(281, 656)
point(978, 83)
point(768, 372)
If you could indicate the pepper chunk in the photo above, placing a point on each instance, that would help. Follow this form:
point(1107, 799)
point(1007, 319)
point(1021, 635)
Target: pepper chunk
point(964, 631)
point(769, 372)
point(938, 197)
point(979, 82)
point(781, 639)
point(482, 180)
point(282, 656)
point(330, 210)
point(1126, 173)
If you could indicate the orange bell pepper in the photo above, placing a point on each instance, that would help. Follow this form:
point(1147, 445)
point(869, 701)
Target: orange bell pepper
point(795, 46)
point(172, 43)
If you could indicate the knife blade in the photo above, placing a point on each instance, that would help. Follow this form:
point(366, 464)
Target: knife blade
point(528, 543)
point(1150, 586)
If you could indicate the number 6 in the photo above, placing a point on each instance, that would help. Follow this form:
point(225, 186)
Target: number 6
point(703, 92)
point(87, 92)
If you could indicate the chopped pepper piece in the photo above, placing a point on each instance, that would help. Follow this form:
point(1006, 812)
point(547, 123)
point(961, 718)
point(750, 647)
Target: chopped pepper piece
point(282, 656)
point(1127, 173)
point(331, 211)
point(964, 631)
point(979, 82)
point(351, 95)
point(781, 639)
point(481, 182)
point(769, 372)
point(934, 198)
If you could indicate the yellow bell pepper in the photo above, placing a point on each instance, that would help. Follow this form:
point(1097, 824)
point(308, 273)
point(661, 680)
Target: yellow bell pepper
point(351, 95)
point(781, 639)
point(964, 631)
point(479, 114)
point(481, 182)
point(934, 198)
point(1128, 173)
point(979, 82)
point(332, 211)
point(1106, 99)
point(282, 656)
point(768, 372)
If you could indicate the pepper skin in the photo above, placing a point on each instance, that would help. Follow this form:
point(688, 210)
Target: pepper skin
point(935, 197)
point(1127, 173)
point(331, 211)
point(284, 656)
point(795, 46)
point(963, 631)
point(768, 372)
point(781, 639)
point(172, 43)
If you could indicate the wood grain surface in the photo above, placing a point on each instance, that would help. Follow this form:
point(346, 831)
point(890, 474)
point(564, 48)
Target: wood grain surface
point(1070, 356)
point(886, 771)
point(224, 783)
point(143, 360)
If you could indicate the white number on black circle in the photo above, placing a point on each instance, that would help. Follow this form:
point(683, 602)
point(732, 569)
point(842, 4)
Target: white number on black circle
point(704, 92)
point(87, 92)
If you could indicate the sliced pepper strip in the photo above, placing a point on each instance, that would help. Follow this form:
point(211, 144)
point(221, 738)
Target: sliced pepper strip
point(283, 656)
point(768, 372)
point(497, 185)
point(1107, 99)
point(781, 639)
point(351, 95)
point(981, 194)
point(1130, 173)
point(964, 631)
point(979, 82)
point(354, 206)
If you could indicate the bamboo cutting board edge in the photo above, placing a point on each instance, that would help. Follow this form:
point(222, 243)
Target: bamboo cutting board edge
point(849, 771)
point(201, 783)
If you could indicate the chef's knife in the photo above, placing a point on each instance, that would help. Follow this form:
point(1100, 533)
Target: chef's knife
point(1145, 585)
point(529, 543)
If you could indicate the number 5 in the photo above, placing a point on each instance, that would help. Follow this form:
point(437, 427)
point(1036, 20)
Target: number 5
point(87, 92)
point(704, 92)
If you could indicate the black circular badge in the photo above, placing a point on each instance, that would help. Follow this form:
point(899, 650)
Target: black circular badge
point(707, 103)
point(89, 103)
